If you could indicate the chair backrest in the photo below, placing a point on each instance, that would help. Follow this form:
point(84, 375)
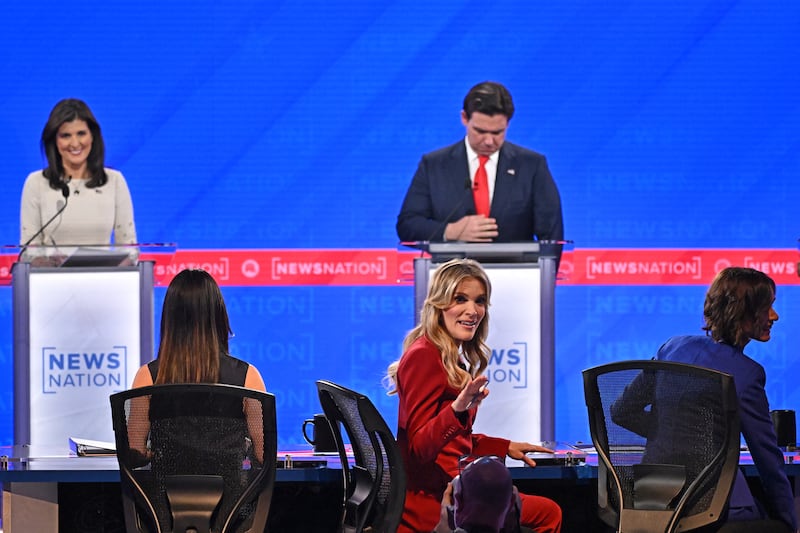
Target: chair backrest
point(195, 457)
point(375, 487)
point(667, 439)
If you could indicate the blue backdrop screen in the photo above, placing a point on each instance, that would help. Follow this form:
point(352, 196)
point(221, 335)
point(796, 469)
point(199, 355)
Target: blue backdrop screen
point(260, 125)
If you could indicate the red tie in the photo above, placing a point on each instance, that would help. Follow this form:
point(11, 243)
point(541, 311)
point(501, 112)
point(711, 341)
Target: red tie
point(480, 188)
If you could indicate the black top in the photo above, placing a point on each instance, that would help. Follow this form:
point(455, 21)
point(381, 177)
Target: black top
point(232, 371)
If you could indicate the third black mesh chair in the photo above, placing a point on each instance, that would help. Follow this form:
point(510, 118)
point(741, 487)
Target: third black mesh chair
point(195, 457)
point(375, 488)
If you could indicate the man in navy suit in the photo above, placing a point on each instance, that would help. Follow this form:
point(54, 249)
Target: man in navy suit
point(524, 199)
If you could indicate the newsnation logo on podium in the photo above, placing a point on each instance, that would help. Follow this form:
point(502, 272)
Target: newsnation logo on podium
point(65, 369)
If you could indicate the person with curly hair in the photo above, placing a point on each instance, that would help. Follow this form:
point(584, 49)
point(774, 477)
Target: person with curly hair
point(738, 308)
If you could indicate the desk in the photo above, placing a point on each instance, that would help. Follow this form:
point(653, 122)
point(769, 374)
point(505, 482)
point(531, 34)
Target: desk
point(32, 490)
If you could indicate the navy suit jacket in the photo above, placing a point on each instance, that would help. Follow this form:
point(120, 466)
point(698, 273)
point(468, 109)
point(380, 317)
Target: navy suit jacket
point(526, 202)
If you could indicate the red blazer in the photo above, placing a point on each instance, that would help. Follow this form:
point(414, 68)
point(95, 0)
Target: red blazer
point(430, 435)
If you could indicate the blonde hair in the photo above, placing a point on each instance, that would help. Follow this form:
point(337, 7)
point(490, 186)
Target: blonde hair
point(443, 285)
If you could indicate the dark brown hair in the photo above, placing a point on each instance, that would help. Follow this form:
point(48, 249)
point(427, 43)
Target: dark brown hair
point(738, 299)
point(490, 98)
point(194, 330)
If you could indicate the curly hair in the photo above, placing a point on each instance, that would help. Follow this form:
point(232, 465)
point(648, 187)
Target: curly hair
point(737, 303)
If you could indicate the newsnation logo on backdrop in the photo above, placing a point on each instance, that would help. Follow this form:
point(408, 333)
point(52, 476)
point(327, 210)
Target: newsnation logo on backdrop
point(63, 369)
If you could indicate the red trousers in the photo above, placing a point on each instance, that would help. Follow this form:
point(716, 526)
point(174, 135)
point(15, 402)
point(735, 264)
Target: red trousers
point(542, 515)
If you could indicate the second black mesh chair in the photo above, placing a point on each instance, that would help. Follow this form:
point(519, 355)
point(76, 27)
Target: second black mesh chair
point(375, 487)
point(667, 439)
point(195, 457)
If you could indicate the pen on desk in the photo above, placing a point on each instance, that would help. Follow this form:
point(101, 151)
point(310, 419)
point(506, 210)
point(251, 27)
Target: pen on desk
point(476, 396)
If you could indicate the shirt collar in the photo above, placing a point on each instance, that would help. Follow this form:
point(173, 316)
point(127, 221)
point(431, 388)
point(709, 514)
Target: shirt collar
point(472, 155)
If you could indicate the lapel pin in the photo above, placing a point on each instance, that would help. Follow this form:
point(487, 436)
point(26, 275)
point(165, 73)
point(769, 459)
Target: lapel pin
point(511, 171)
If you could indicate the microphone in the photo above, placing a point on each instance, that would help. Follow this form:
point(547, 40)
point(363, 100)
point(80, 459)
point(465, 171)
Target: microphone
point(65, 192)
point(440, 228)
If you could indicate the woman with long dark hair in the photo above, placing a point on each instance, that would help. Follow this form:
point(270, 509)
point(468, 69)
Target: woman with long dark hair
point(194, 338)
point(194, 349)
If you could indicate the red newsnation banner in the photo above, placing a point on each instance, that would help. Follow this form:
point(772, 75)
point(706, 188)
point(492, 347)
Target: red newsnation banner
point(386, 267)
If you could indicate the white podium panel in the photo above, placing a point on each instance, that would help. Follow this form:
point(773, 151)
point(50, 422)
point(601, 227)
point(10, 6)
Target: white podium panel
point(513, 408)
point(80, 335)
point(84, 347)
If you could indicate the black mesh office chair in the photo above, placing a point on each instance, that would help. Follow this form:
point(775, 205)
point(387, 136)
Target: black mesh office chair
point(195, 457)
point(375, 488)
point(690, 409)
point(667, 438)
